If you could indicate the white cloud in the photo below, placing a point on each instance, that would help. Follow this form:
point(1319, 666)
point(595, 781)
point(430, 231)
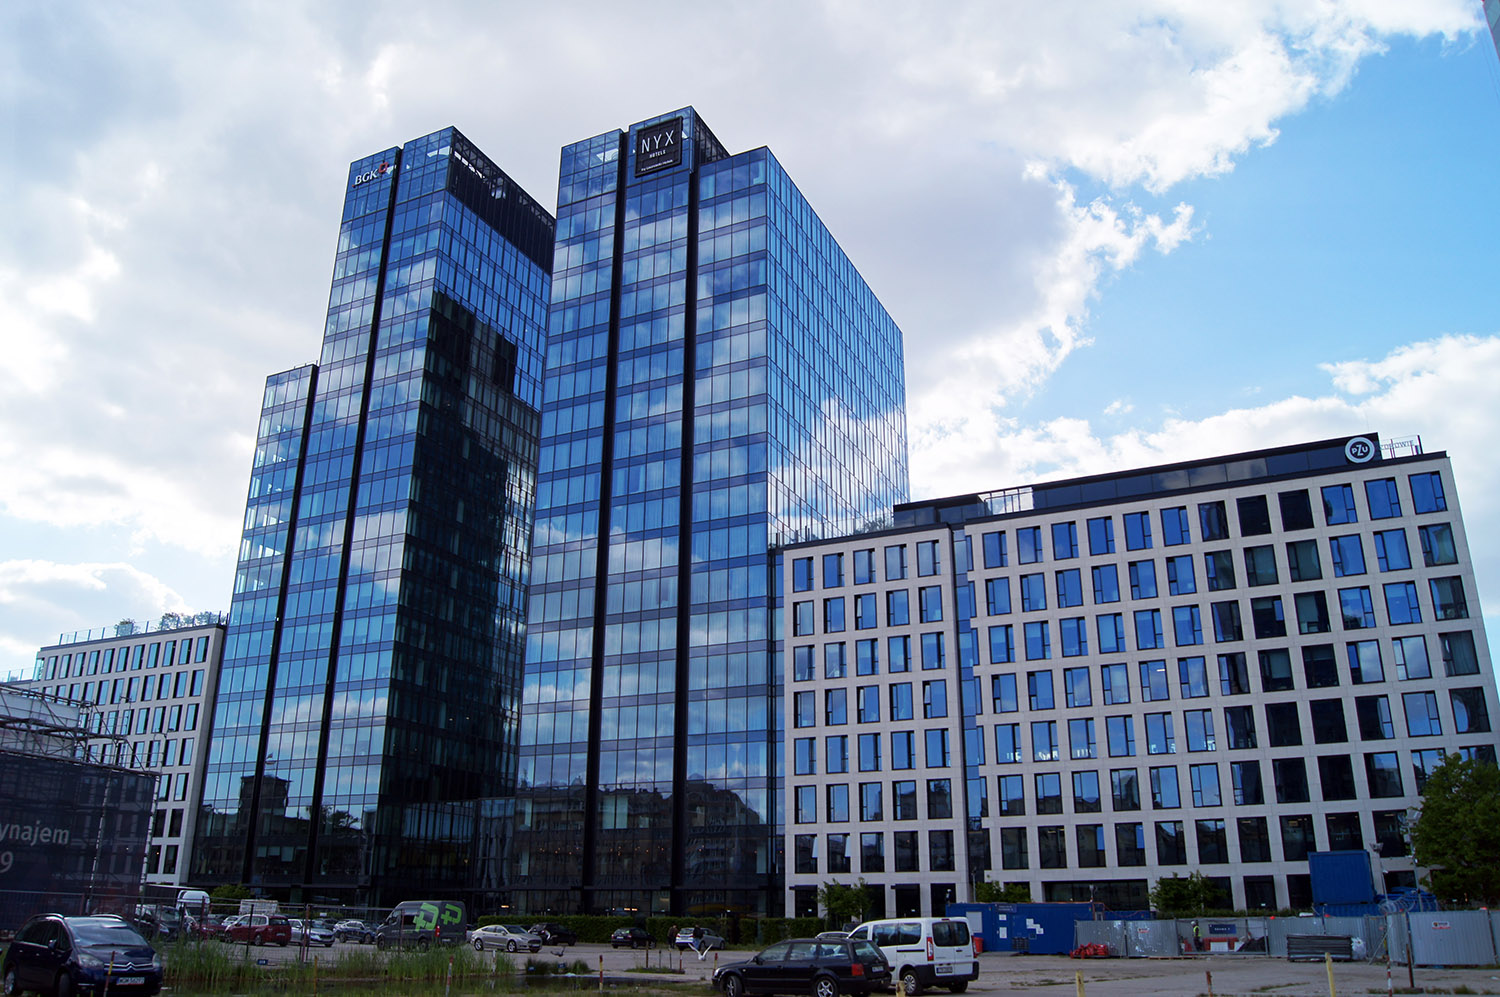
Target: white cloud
point(40, 600)
point(1441, 390)
point(173, 217)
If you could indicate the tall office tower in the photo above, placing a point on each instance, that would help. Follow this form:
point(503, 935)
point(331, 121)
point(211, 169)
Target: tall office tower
point(372, 669)
point(719, 378)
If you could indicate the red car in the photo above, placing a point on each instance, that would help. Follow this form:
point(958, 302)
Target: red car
point(258, 929)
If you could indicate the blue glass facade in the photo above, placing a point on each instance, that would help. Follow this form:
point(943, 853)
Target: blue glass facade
point(719, 379)
point(371, 678)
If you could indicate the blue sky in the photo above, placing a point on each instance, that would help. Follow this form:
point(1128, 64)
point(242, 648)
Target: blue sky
point(1112, 234)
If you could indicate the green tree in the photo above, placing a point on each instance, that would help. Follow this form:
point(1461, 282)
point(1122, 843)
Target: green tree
point(986, 892)
point(230, 892)
point(1176, 896)
point(1457, 831)
point(845, 902)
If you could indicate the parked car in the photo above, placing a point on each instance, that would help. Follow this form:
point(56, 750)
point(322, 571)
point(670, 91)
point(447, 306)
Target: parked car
point(924, 951)
point(58, 955)
point(510, 937)
point(824, 968)
point(352, 930)
point(635, 938)
point(554, 934)
point(698, 939)
point(258, 929)
point(310, 934)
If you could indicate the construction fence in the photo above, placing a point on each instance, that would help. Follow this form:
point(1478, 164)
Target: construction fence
point(1443, 938)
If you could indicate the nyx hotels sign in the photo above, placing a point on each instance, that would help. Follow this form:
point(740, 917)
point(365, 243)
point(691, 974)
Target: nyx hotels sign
point(658, 146)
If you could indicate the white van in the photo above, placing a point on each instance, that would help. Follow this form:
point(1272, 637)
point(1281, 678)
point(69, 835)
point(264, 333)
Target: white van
point(924, 951)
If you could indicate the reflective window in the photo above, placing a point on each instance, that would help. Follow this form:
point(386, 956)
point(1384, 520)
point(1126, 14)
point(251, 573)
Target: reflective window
point(1255, 517)
point(1391, 553)
point(1448, 600)
point(1064, 541)
point(1137, 530)
point(1302, 564)
point(895, 562)
point(1111, 629)
point(1296, 510)
point(1069, 588)
point(1213, 521)
point(1384, 500)
point(1101, 535)
point(833, 571)
point(1120, 735)
point(1033, 592)
point(1348, 555)
point(1338, 505)
point(994, 550)
point(1175, 530)
point(1427, 493)
point(1106, 583)
point(929, 561)
point(1143, 579)
point(1437, 544)
point(1164, 791)
point(1029, 544)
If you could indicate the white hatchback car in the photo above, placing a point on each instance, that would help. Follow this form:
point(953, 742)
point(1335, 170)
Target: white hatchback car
point(510, 937)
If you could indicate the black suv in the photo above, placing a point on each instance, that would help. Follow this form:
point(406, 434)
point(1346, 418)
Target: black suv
point(554, 934)
point(63, 956)
point(822, 967)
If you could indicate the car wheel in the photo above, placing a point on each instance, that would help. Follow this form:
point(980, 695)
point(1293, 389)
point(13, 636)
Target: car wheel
point(825, 986)
point(959, 987)
point(64, 986)
point(12, 983)
point(479, 945)
point(257, 939)
point(909, 981)
point(510, 946)
point(380, 944)
point(423, 944)
point(733, 986)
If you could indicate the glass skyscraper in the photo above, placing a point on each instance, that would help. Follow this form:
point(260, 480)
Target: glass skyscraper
point(372, 670)
point(719, 379)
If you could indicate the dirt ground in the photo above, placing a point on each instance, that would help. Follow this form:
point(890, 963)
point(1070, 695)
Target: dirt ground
point(1232, 976)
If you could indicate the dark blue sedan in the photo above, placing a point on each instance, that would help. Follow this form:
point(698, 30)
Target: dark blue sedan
point(64, 956)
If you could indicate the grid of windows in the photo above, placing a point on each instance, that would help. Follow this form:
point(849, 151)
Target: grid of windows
point(1208, 676)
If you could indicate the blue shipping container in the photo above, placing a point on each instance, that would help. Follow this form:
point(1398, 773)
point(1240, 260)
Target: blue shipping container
point(989, 922)
point(1047, 929)
point(1341, 877)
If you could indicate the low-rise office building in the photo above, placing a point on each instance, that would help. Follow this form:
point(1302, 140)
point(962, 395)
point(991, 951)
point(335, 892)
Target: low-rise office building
point(1086, 685)
point(152, 689)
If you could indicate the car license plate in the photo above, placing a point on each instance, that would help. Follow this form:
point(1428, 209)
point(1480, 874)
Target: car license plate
point(130, 981)
point(945, 969)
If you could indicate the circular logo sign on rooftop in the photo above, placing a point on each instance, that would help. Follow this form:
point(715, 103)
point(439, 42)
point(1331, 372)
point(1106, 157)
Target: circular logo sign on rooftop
point(1359, 450)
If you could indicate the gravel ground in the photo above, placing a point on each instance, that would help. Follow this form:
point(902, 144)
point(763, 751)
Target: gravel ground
point(1232, 976)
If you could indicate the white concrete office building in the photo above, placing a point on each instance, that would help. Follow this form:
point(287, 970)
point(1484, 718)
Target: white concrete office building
point(155, 688)
point(1086, 685)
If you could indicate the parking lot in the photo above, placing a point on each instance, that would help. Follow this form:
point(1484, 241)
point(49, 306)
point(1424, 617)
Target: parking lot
point(1232, 976)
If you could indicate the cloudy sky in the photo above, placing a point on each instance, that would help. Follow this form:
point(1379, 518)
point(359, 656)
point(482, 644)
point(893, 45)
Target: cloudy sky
point(1113, 233)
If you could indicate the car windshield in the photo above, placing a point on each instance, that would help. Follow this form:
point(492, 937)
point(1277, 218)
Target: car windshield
point(106, 933)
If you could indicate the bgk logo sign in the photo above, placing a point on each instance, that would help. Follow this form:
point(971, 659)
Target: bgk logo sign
point(375, 174)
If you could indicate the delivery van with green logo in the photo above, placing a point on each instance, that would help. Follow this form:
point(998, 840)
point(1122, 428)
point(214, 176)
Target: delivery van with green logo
point(422, 924)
